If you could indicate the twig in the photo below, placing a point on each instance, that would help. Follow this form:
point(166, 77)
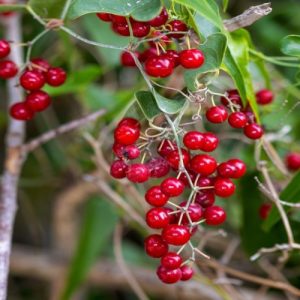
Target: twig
point(13, 159)
point(122, 264)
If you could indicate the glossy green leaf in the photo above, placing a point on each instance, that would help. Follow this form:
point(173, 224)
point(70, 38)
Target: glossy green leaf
point(169, 106)
point(143, 10)
point(290, 194)
point(98, 224)
point(290, 45)
point(47, 8)
point(214, 50)
point(148, 104)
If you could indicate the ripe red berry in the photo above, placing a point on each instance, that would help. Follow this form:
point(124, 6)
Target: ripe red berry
point(205, 198)
point(191, 58)
point(104, 17)
point(56, 76)
point(159, 66)
point(155, 246)
point(264, 97)
point(253, 131)
point(203, 164)
point(118, 19)
point(168, 276)
point(177, 26)
point(194, 211)
point(157, 218)
point(131, 122)
point(173, 158)
point(127, 59)
point(156, 197)
point(205, 182)
point(217, 114)
point(8, 69)
point(171, 261)
point(234, 98)
point(237, 120)
point(176, 234)
point(186, 273)
point(215, 215)
point(151, 52)
point(224, 187)
point(158, 167)
point(138, 173)
point(226, 170)
point(183, 178)
point(20, 111)
point(165, 147)
point(126, 134)
point(172, 187)
point(193, 140)
point(265, 210)
point(240, 167)
point(121, 28)
point(159, 20)
point(118, 169)
point(38, 101)
point(4, 48)
point(293, 161)
point(32, 80)
point(131, 152)
point(39, 65)
point(210, 142)
point(140, 29)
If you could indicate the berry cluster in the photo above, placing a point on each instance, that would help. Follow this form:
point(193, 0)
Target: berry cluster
point(8, 69)
point(35, 76)
point(195, 177)
point(159, 57)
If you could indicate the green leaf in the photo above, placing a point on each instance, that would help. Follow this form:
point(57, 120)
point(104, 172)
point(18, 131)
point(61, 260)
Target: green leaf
point(143, 10)
point(214, 50)
point(47, 8)
point(225, 5)
point(77, 81)
point(148, 104)
point(12, 7)
point(291, 194)
point(99, 221)
point(290, 45)
point(169, 106)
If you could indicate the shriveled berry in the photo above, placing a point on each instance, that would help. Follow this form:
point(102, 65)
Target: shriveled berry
point(237, 119)
point(191, 58)
point(253, 131)
point(21, 111)
point(56, 76)
point(158, 167)
point(214, 215)
point(171, 260)
point(173, 158)
point(203, 164)
point(177, 26)
point(210, 142)
point(138, 173)
point(293, 161)
point(193, 140)
point(157, 218)
point(126, 134)
point(186, 273)
point(159, 20)
point(8, 69)
point(38, 101)
point(156, 197)
point(176, 234)
point(167, 275)
point(224, 187)
point(32, 80)
point(264, 97)
point(155, 246)
point(4, 48)
point(159, 66)
point(118, 169)
point(172, 187)
point(217, 114)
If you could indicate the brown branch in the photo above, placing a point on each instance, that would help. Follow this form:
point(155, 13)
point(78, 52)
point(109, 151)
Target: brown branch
point(248, 17)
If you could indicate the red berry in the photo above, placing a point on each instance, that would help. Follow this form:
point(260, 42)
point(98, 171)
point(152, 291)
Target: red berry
point(173, 158)
point(126, 134)
point(159, 20)
point(253, 131)
point(158, 167)
point(210, 142)
point(171, 261)
point(226, 170)
point(224, 187)
point(138, 173)
point(204, 182)
point(121, 28)
point(127, 59)
point(203, 164)
point(131, 122)
point(191, 58)
point(118, 169)
point(157, 218)
point(265, 210)
point(177, 26)
point(293, 161)
point(264, 97)
point(155, 246)
point(131, 152)
point(176, 234)
point(194, 211)
point(168, 276)
point(183, 178)
point(215, 215)
point(186, 273)
point(8, 69)
point(118, 19)
point(140, 29)
point(104, 17)
point(38, 101)
point(240, 167)
point(118, 149)
point(173, 56)
point(237, 119)
point(21, 111)
point(233, 96)
point(56, 76)
point(156, 197)
point(165, 147)
point(205, 198)
point(193, 140)
point(39, 65)
point(32, 80)
point(4, 48)
point(159, 66)
point(217, 114)
point(151, 52)
point(172, 187)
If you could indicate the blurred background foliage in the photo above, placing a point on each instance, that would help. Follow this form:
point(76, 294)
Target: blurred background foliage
point(95, 81)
